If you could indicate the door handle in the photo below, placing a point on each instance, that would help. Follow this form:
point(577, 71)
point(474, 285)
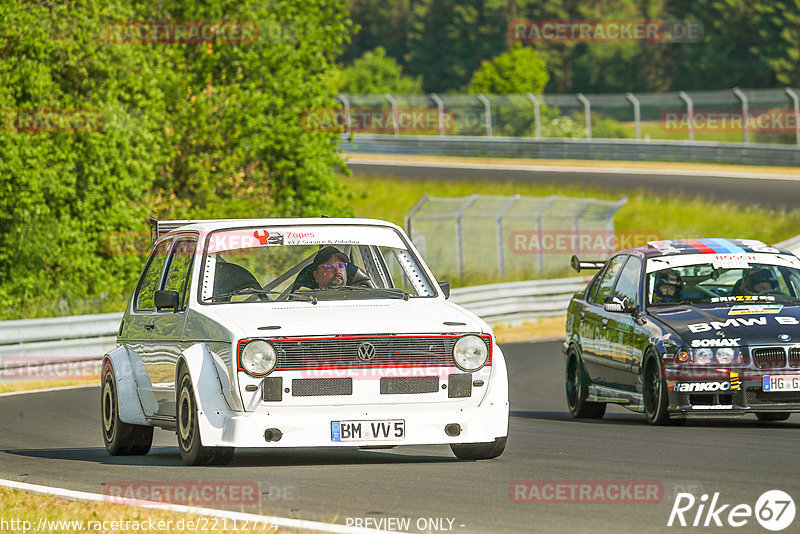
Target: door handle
point(583, 314)
point(150, 327)
point(605, 323)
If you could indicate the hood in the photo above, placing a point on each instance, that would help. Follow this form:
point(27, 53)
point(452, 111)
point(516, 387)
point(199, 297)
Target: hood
point(741, 324)
point(345, 317)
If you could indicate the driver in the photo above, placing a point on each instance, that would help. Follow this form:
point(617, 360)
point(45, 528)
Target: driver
point(668, 286)
point(759, 281)
point(329, 267)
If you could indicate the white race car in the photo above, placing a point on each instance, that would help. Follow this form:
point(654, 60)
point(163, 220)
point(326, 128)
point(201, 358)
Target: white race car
point(298, 333)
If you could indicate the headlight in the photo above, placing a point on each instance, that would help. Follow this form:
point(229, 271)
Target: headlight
point(258, 357)
point(470, 353)
point(729, 355)
point(703, 356)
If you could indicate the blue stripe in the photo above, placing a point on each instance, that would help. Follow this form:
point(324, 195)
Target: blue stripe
point(724, 246)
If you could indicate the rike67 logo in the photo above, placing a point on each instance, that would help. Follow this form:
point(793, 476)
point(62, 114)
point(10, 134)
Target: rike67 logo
point(774, 510)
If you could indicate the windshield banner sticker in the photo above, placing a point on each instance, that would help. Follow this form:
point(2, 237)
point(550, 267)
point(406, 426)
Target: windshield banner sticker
point(744, 298)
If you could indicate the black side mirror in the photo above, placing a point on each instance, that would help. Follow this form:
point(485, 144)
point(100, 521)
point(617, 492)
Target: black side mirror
point(445, 287)
point(166, 299)
point(618, 304)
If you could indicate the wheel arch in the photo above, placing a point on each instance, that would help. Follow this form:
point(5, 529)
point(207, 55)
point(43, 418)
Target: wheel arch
point(130, 406)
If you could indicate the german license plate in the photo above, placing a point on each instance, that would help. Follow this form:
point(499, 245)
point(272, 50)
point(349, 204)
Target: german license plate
point(387, 430)
point(780, 383)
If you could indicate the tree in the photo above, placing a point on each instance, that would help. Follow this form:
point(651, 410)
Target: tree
point(375, 73)
point(518, 71)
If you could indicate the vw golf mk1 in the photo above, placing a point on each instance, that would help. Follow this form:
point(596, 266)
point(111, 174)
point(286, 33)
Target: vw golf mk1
point(298, 333)
point(690, 327)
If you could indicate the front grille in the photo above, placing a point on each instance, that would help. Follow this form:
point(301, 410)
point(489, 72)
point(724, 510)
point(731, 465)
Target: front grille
point(755, 396)
point(318, 387)
point(794, 357)
point(769, 357)
point(409, 385)
point(389, 351)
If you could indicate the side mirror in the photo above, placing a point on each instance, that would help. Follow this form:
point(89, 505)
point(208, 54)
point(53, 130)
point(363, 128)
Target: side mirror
point(166, 299)
point(618, 304)
point(445, 287)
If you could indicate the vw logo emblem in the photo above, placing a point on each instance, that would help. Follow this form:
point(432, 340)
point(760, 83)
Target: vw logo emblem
point(366, 351)
point(785, 337)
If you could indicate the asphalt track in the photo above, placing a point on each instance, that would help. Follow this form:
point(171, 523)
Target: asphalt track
point(742, 188)
point(53, 438)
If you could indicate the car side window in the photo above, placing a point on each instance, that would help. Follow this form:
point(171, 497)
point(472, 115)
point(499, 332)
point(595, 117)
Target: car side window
point(628, 281)
point(152, 278)
point(607, 281)
point(180, 267)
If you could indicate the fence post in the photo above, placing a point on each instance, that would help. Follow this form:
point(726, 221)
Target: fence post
point(746, 133)
point(536, 115)
point(796, 101)
point(410, 215)
point(459, 234)
point(488, 110)
point(501, 258)
point(539, 216)
point(587, 110)
point(343, 99)
point(440, 107)
point(395, 117)
point(689, 111)
point(637, 115)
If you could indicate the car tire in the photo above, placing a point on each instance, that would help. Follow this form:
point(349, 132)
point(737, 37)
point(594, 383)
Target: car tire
point(577, 389)
point(655, 396)
point(479, 451)
point(192, 450)
point(120, 438)
point(772, 416)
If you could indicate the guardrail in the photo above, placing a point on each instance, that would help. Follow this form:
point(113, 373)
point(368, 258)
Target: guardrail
point(589, 149)
point(82, 337)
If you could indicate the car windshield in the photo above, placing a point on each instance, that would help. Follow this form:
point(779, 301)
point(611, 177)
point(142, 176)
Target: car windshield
point(723, 281)
point(309, 264)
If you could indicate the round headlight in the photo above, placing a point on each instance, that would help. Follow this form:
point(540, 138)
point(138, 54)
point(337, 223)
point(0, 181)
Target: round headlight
point(470, 353)
point(703, 356)
point(726, 355)
point(259, 357)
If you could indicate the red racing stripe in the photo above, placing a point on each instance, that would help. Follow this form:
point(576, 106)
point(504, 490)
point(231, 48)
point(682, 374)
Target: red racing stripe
point(701, 247)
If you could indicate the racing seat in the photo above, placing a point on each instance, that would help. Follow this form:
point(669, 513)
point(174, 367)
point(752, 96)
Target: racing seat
point(355, 277)
point(229, 277)
point(738, 288)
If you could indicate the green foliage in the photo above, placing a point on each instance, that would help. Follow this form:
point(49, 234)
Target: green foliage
point(518, 71)
point(187, 130)
point(375, 73)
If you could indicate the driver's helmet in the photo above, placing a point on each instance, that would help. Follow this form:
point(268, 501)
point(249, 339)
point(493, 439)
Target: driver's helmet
point(668, 277)
point(758, 276)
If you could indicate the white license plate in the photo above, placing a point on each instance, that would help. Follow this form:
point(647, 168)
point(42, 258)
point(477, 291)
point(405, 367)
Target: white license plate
point(780, 383)
point(387, 430)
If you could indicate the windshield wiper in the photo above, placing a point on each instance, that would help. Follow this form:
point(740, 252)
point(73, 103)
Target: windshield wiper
point(252, 291)
point(394, 291)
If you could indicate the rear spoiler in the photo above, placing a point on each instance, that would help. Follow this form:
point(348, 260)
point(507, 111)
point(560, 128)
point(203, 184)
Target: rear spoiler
point(577, 264)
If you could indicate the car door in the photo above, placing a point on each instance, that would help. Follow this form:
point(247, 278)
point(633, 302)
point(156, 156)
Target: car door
point(594, 325)
point(625, 338)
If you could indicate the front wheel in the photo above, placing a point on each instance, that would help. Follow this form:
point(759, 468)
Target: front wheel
point(773, 416)
point(656, 398)
point(479, 451)
point(120, 438)
point(577, 391)
point(192, 450)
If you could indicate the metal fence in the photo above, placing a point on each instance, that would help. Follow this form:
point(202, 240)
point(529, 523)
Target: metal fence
point(735, 115)
point(484, 237)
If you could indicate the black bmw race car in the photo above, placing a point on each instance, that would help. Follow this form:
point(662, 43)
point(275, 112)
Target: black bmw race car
point(690, 327)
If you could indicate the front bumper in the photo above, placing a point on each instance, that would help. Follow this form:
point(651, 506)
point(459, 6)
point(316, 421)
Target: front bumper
point(735, 392)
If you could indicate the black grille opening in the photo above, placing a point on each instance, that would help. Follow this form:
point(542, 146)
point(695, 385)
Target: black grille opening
point(272, 389)
point(319, 387)
point(769, 357)
point(794, 357)
point(755, 396)
point(459, 386)
point(409, 385)
point(701, 400)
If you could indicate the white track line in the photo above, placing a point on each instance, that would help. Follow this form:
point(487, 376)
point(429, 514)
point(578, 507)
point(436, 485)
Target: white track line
point(42, 390)
point(566, 169)
point(179, 508)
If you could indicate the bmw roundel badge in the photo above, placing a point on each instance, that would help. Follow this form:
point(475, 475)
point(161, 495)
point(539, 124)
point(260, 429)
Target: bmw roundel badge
point(785, 337)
